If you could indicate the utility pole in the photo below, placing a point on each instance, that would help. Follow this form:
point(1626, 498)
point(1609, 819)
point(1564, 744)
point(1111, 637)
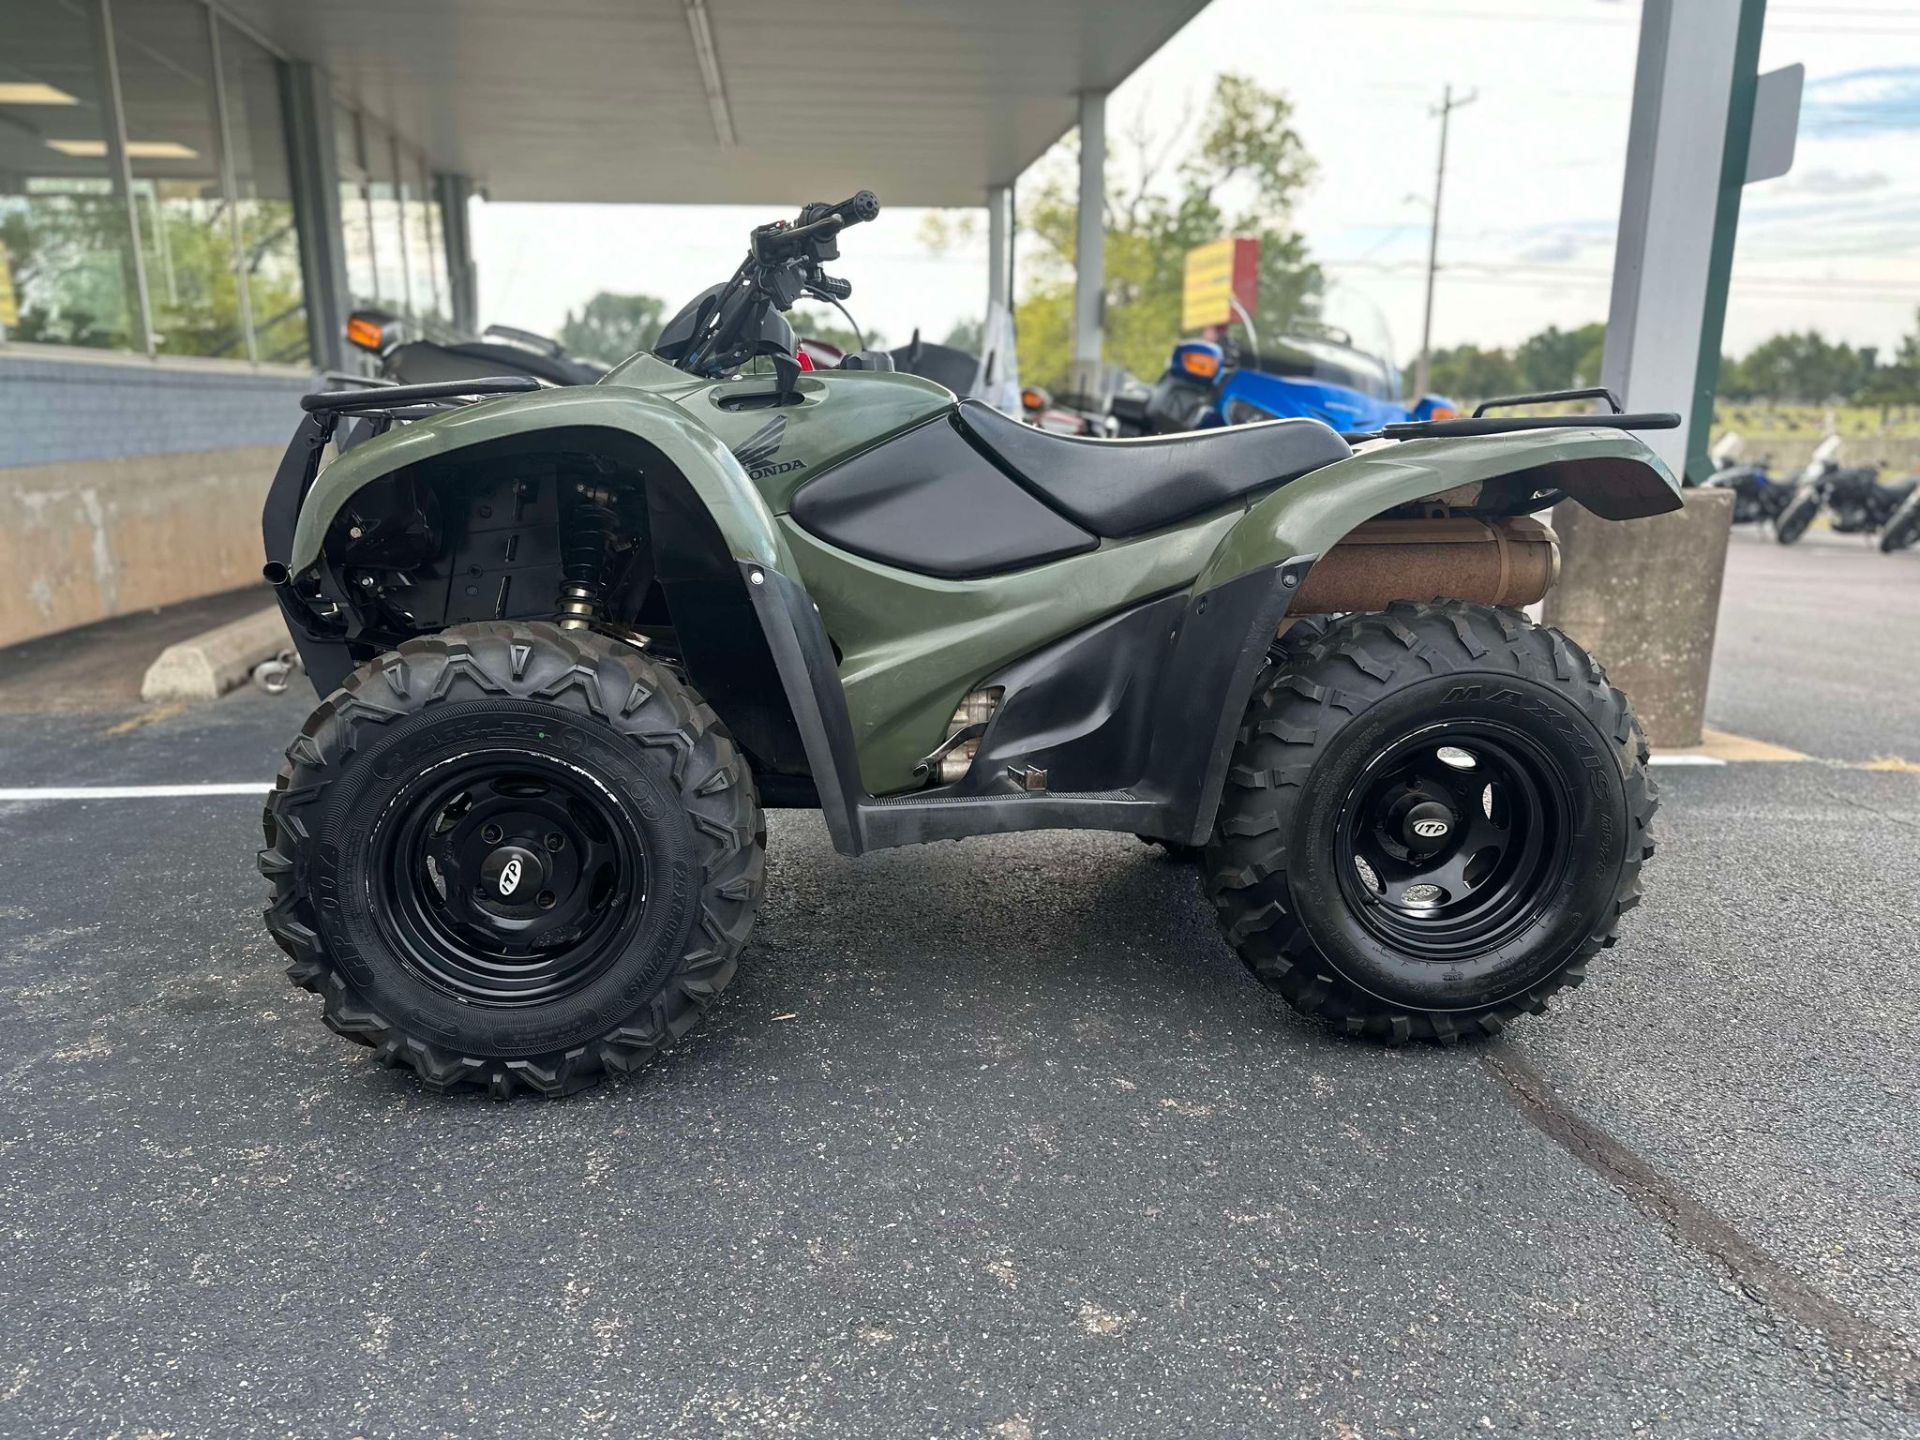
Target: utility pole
point(1447, 106)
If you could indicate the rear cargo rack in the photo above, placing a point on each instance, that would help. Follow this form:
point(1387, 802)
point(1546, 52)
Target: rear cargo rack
point(1481, 423)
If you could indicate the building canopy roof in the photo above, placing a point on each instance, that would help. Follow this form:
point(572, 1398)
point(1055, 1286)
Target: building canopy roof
point(927, 102)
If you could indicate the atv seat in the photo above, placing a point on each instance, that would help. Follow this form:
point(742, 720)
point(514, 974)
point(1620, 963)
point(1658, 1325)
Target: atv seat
point(1117, 488)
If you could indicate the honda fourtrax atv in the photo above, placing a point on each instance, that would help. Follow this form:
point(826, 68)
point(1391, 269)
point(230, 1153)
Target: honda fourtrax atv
point(572, 642)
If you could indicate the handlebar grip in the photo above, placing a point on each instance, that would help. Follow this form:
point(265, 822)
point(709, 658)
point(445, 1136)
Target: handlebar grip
point(833, 286)
point(858, 208)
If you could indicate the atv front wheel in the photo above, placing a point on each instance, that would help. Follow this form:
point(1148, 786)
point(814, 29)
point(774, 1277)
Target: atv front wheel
point(513, 856)
point(1432, 822)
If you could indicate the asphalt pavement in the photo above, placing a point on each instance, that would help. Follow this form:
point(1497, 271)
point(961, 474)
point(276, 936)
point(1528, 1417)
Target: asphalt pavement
point(995, 1139)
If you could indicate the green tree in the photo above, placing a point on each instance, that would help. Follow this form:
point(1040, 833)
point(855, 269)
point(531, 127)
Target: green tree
point(1898, 381)
point(611, 327)
point(1557, 359)
point(1467, 373)
point(1805, 367)
point(1240, 176)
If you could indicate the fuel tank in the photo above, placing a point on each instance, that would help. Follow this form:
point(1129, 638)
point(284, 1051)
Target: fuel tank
point(837, 414)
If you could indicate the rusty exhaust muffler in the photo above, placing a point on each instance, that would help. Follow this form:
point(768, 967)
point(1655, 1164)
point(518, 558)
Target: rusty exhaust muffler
point(1495, 562)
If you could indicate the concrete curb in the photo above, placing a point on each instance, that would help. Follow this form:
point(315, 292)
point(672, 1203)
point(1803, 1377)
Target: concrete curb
point(210, 664)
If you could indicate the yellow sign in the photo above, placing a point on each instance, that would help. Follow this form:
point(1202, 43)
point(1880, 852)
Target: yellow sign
point(1217, 274)
point(9, 302)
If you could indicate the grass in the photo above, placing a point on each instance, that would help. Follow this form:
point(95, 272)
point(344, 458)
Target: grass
point(1761, 421)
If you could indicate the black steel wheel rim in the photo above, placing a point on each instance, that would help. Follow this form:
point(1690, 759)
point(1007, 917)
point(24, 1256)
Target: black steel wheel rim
point(507, 877)
point(1454, 838)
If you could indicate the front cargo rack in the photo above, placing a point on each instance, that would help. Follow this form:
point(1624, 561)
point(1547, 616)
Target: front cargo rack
point(1481, 423)
point(374, 407)
point(436, 395)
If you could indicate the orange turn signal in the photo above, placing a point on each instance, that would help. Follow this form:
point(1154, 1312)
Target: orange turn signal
point(1444, 412)
point(1034, 398)
point(1201, 364)
point(364, 333)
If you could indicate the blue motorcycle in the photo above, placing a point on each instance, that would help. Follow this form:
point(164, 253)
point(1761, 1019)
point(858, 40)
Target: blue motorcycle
point(1317, 373)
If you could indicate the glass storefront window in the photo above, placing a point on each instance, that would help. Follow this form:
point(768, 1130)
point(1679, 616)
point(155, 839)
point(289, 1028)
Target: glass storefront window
point(416, 205)
point(356, 218)
point(65, 249)
point(165, 53)
point(437, 240)
point(192, 248)
point(263, 200)
point(383, 200)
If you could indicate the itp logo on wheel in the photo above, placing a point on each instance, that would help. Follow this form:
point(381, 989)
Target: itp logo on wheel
point(510, 876)
point(1429, 829)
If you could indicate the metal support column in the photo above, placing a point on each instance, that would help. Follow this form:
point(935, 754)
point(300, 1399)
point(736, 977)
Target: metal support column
point(1000, 246)
point(1644, 598)
point(453, 192)
point(1090, 246)
point(1693, 103)
point(315, 172)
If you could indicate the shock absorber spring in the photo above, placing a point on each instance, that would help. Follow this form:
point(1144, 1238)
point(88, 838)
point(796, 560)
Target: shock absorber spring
point(585, 555)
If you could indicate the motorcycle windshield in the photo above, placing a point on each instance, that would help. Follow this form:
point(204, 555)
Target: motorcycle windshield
point(1347, 343)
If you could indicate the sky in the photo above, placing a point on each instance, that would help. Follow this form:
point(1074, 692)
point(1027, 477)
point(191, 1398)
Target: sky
point(1532, 192)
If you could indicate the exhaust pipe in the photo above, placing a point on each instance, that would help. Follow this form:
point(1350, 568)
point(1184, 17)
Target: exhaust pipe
point(1495, 562)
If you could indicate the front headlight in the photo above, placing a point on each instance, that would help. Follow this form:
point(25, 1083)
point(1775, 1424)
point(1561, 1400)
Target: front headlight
point(1239, 412)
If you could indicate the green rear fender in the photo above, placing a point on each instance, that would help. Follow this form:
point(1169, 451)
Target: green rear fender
point(738, 510)
point(1608, 471)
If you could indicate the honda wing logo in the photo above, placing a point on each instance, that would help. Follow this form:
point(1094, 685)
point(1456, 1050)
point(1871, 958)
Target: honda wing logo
point(510, 876)
point(756, 452)
point(1429, 829)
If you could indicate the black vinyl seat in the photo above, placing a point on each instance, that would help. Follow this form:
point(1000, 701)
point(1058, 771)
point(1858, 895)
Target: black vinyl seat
point(1117, 488)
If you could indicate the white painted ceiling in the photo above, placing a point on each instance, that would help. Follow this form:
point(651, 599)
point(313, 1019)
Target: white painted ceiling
point(926, 102)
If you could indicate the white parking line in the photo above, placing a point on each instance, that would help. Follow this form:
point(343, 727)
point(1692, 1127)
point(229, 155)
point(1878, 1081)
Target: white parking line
point(1658, 759)
point(130, 792)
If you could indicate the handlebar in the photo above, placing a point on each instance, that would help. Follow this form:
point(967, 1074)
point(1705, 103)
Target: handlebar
point(783, 263)
point(859, 208)
point(817, 222)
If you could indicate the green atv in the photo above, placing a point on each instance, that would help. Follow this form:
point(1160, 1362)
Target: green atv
point(573, 641)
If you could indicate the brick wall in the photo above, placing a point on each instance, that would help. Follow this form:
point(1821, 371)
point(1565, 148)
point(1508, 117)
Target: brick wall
point(58, 406)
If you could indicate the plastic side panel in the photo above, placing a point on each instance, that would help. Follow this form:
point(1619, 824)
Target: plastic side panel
point(741, 515)
point(1608, 471)
point(928, 501)
point(835, 416)
point(911, 645)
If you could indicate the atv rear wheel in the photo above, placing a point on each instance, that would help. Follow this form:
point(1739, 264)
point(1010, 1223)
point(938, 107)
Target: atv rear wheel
point(1433, 820)
point(513, 856)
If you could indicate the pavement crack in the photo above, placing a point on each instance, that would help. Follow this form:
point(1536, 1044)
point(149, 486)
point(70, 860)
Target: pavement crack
point(1881, 1357)
point(1875, 810)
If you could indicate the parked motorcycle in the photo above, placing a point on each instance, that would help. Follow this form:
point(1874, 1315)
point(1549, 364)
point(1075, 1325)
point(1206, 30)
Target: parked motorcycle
point(408, 356)
point(1338, 374)
point(1757, 496)
point(1856, 501)
point(1903, 527)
